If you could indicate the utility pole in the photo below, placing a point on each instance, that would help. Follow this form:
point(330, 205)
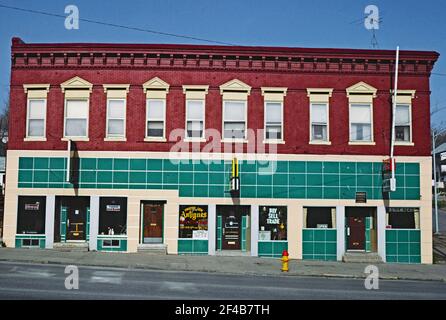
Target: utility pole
point(392, 142)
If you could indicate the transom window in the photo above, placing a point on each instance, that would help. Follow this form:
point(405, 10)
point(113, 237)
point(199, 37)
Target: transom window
point(273, 120)
point(361, 122)
point(402, 123)
point(195, 118)
point(319, 121)
point(234, 120)
point(116, 118)
point(76, 118)
point(36, 118)
point(156, 118)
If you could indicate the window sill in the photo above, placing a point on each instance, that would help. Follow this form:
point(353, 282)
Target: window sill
point(75, 139)
point(273, 141)
point(234, 140)
point(115, 139)
point(362, 143)
point(404, 143)
point(155, 139)
point(328, 143)
point(30, 139)
point(194, 140)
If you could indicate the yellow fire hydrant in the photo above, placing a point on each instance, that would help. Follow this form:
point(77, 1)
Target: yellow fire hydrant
point(285, 260)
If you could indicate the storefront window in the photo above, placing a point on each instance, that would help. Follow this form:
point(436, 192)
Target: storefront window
point(403, 218)
point(320, 217)
point(31, 215)
point(193, 222)
point(272, 223)
point(113, 216)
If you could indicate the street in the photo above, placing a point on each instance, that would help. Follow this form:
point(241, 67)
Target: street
point(36, 281)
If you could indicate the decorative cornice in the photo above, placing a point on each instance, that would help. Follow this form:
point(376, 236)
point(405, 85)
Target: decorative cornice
point(190, 57)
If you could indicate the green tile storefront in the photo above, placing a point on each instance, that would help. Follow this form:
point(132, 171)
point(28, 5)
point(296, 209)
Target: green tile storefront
point(290, 180)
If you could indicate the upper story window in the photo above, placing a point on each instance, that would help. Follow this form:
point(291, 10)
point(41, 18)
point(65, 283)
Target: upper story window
point(360, 122)
point(156, 94)
point(403, 117)
point(116, 111)
point(76, 114)
point(234, 120)
point(360, 98)
point(76, 118)
point(195, 111)
point(36, 111)
point(319, 115)
point(156, 118)
point(235, 110)
point(273, 114)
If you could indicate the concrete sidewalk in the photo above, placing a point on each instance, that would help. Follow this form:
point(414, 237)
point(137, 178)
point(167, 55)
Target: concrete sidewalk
point(223, 264)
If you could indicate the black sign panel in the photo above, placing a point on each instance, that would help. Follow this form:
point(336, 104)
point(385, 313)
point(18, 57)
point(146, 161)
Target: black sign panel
point(361, 197)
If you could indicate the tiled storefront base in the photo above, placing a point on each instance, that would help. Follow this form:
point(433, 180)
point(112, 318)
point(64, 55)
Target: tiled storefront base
point(272, 249)
point(112, 243)
point(403, 246)
point(193, 246)
point(319, 244)
point(30, 241)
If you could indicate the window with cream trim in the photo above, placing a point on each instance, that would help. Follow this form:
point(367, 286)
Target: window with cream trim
point(403, 123)
point(195, 114)
point(76, 118)
point(36, 117)
point(116, 118)
point(156, 118)
point(319, 121)
point(361, 122)
point(234, 119)
point(273, 120)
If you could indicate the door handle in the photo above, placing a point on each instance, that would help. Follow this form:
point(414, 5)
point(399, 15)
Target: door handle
point(223, 231)
point(68, 222)
point(348, 231)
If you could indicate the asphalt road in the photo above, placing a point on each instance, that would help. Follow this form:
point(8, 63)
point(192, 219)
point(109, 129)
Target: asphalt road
point(33, 281)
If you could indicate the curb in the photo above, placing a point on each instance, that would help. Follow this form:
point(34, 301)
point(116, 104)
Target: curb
point(249, 273)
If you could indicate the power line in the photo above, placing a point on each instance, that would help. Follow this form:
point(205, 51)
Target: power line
point(50, 14)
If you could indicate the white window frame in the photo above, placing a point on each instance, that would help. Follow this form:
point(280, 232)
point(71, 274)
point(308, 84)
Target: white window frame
point(327, 108)
point(28, 137)
point(265, 139)
point(186, 135)
point(78, 138)
point(372, 134)
point(150, 138)
point(116, 137)
point(410, 142)
point(245, 138)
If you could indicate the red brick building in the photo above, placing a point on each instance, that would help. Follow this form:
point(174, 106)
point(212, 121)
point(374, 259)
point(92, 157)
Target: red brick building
point(325, 115)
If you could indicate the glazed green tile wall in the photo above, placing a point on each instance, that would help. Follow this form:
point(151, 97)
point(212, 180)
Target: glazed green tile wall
point(291, 179)
point(319, 244)
point(272, 249)
point(20, 237)
point(121, 248)
point(193, 246)
point(219, 232)
point(368, 234)
point(403, 246)
point(244, 231)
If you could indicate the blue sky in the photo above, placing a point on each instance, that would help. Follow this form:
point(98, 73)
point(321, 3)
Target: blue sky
point(411, 24)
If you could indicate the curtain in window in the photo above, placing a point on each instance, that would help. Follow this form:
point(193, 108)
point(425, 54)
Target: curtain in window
point(116, 117)
point(76, 118)
point(36, 118)
point(360, 119)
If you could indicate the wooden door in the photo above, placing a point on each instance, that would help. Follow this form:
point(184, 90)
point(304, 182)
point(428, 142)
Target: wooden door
point(356, 233)
point(153, 223)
